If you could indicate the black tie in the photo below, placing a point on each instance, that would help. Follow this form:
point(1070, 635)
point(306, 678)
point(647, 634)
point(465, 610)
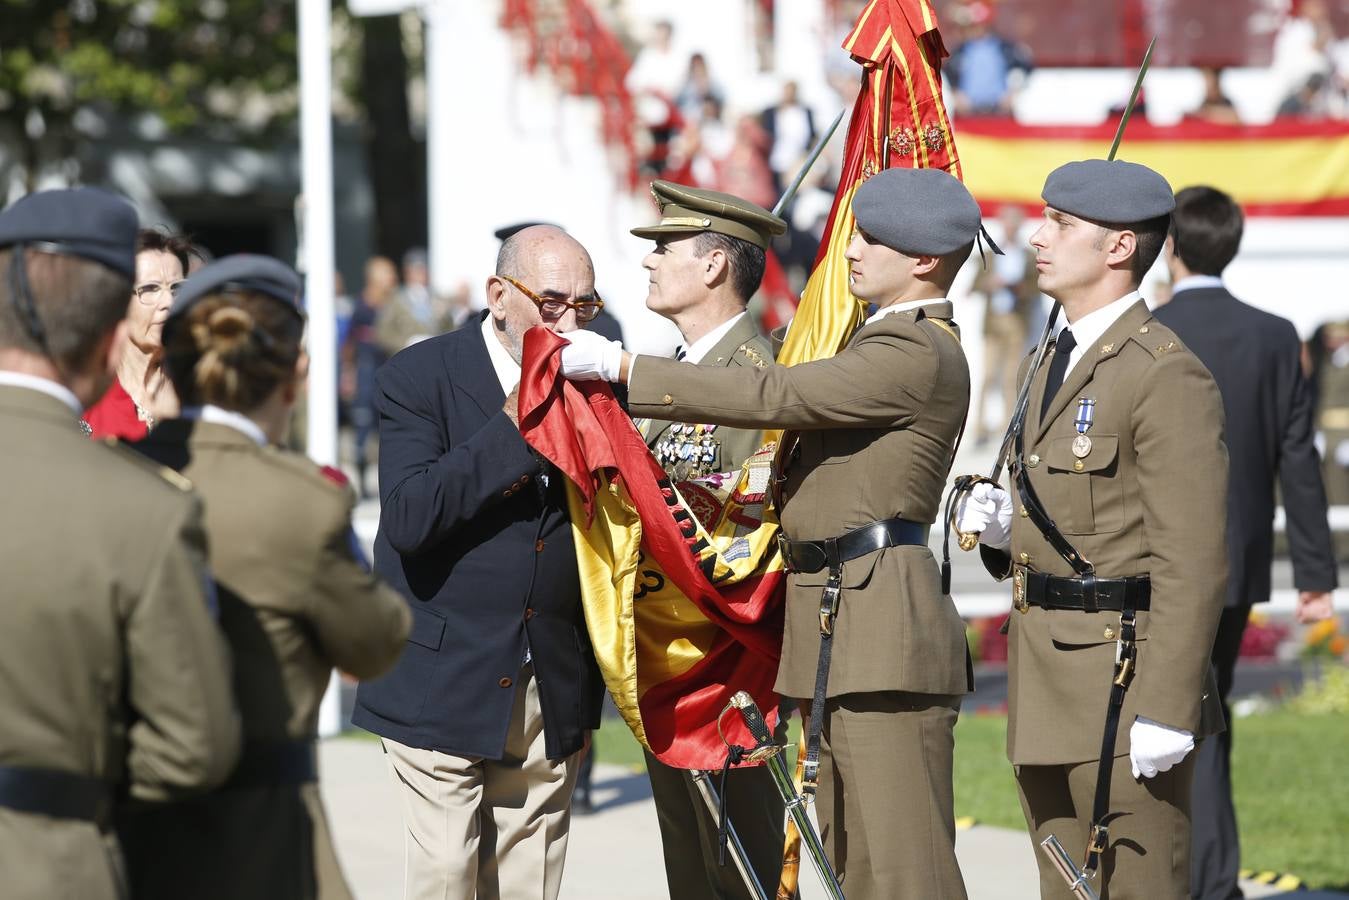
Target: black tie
point(680, 353)
point(1058, 367)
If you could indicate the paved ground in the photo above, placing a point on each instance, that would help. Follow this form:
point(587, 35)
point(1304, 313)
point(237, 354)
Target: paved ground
point(614, 853)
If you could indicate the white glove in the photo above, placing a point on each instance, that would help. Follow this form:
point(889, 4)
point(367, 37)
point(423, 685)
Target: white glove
point(589, 356)
point(986, 509)
point(1154, 747)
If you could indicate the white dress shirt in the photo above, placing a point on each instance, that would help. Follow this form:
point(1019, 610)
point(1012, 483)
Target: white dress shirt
point(219, 416)
point(43, 386)
point(901, 307)
point(695, 352)
point(1195, 282)
point(507, 369)
point(1088, 329)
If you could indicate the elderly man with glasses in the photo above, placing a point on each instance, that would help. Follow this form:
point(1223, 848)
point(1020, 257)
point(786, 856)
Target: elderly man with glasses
point(485, 715)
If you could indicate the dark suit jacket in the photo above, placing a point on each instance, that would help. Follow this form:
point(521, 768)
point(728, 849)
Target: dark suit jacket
point(482, 550)
point(1254, 357)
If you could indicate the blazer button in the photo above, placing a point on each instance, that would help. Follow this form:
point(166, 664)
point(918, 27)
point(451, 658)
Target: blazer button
point(516, 486)
point(507, 492)
point(529, 613)
point(505, 682)
point(538, 546)
point(524, 479)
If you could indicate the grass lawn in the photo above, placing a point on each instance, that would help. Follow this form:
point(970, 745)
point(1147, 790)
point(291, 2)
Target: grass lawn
point(1290, 774)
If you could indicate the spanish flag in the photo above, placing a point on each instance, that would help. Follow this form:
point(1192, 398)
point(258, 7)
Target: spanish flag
point(1288, 167)
point(683, 583)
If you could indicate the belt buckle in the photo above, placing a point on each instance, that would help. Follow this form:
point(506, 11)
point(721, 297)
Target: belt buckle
point(1019, 590)
point(783, 551)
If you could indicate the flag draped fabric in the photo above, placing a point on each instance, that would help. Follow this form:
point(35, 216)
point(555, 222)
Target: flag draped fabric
point(1288, 167)
point(683, 583)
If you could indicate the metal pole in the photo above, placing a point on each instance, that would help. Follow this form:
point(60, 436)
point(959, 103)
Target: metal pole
point(738, 854)
point(316, 166)
point(443, 53)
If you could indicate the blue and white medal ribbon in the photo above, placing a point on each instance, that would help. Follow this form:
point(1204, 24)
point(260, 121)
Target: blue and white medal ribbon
point(1086, 414)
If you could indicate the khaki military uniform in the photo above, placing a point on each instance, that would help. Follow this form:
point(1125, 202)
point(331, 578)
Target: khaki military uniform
point(1332, 421)
point(687, 829)
point(1148, 498)
point(690, 450)
point(876, 425)
point(294, 603)
point(110, 665)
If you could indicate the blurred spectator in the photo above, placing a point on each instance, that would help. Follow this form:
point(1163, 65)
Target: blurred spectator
point(1308, 102)
point(790, 127)
point(1008, 285)
point(141, 394)
point(1329, 352)
point(986, 68)
point(744, 172)
point(413, 313)
point(658, 66)
point(1302, 52)
point(1215, 106)
point(365, 355)
point(698, 88)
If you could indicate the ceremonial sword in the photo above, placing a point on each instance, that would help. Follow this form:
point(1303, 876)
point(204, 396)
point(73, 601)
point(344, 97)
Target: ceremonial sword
point(968, 540)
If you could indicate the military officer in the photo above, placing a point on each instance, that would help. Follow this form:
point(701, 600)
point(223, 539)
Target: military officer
point(708, 261)
point(869, 634)
point(1114, 538)
point(113, 676)
point(296, 599)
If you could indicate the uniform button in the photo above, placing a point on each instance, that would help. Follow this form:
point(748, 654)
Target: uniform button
point(505, 682)
point(1034, 460)
point(1024, 557)
point(1109, 633)
point(538, 546)
point(524, 479)
point(667, 399)
point(1077, 466)
point(529, 613)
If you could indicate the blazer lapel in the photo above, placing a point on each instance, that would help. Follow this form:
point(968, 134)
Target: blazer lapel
point(471, 371)
point(1105, 347)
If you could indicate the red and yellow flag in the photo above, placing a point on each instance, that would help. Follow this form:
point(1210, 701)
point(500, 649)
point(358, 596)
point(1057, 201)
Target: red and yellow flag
point(1288, 167)
point(683, 583)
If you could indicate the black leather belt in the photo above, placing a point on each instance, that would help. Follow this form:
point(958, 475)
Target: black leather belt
point(50, 792)
point(813, 556)
point(1088, 594)
point(274, 762)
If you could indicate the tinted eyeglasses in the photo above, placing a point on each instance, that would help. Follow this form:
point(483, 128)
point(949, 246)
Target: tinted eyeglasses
point(553, 308)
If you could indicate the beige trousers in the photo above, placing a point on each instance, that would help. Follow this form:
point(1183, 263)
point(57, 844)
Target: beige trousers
point(1148, 856)
point(486, 829)
point(885, 805)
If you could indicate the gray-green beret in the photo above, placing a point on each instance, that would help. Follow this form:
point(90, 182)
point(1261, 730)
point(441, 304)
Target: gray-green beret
point(924, 212)
point(84, 222)
point(240, 272)
point(689, 210)
point(1109, 190)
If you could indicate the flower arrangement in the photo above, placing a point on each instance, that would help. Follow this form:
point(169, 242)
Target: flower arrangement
point(1324, 640)
point(1262, 638)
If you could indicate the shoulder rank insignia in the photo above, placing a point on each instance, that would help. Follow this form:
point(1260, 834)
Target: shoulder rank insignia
point(754, 355)
point(175, 478)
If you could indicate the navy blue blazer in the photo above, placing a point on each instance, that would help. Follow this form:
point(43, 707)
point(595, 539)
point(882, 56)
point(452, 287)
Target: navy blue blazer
point(474, 533)
point(1255, 357)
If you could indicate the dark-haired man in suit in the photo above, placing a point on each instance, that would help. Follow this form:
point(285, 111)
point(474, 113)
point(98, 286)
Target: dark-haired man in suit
point(486, 712)
point(1255, 357)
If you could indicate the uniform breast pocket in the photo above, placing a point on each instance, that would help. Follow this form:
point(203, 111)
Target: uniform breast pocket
point(1086, 497)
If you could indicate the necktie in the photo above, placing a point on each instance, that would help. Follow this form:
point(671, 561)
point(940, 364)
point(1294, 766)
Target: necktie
point(680, 353)
point(1058, 367)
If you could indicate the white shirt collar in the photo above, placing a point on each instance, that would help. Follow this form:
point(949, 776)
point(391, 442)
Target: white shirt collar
point(1194, 282)
point(901, 307)
point(695, 352)
point(44, 386)
point(218, 416)
point(507, 369)
point(1088, 329)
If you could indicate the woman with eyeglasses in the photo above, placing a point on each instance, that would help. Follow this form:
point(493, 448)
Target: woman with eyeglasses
point(141, 394)
point(295, 597)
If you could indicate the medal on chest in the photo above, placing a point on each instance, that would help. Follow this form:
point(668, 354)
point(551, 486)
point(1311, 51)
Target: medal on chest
point(1086, 414)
